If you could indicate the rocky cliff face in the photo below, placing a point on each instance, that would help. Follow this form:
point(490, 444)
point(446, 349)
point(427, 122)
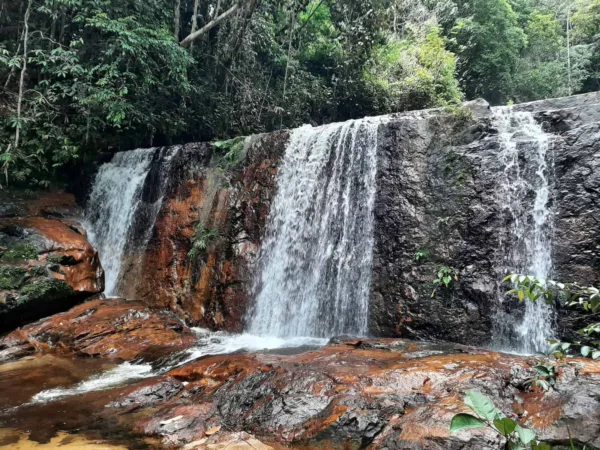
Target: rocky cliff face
point(221, 198)
point(438, 205)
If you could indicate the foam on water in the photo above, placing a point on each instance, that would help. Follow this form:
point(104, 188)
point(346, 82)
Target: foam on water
point(209, 343)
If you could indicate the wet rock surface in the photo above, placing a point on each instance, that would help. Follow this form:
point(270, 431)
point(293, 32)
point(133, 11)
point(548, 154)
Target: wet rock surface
point(438, 206)
point(47, 264)
point(210, 192)
point(371, 394)
point(109, 328)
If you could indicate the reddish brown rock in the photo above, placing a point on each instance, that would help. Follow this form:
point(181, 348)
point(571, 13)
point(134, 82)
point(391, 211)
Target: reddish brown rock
point(211, 289)
point(112, 328)
point(47, 264)
point(383, 394)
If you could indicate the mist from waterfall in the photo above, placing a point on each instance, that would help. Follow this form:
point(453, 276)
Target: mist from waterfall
point(315, 267)
point(524, 196)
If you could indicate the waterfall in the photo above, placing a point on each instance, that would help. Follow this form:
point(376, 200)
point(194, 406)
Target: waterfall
point(115, 219)
point(527, 247)
point(315, 264)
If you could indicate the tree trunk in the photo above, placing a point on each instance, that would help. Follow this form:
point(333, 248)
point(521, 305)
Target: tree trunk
point(177, 19)
point(23, 71)
point(195, 18)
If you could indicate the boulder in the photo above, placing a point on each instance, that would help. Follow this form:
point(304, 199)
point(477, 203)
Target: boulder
point(47, 264)
point(110, 328)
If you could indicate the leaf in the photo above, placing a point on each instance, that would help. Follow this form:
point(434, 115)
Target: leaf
point(542, 370)
point(596, 354)
point(465, 422)
point(585, 350)
point(482, 405)
point(525, 434)
point(541, 446)
point(505, 426)
point(565, 346)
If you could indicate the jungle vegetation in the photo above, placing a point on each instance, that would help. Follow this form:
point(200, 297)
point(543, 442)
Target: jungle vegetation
point(79, 77)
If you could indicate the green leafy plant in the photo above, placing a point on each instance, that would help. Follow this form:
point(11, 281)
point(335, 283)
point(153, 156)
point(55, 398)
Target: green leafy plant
point(20, 252)
point(443, 221)
point(445, 276)
point(527, 287)
point(201, 239)
point(545, 377)
point(422, 254)
point(487, 415)
point(230, 150)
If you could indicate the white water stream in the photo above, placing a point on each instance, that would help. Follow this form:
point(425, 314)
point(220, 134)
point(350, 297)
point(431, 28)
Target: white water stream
point(524, 197)
point(111, 207)
point(315, 266)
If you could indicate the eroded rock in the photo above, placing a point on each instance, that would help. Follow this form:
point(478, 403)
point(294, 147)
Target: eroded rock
point(375, 394)
point(47, 264)
point(111, 328)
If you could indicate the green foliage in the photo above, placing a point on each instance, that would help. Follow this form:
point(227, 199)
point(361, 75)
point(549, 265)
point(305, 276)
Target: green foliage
point(106, 74)
point(458, 115)
point(201, 240)
point(413, 73)
point(487, 415)
point(19, 252)
point(489, 41)
point(445, 276)
point(422, 254)
point(230, 150)
point(587, 299)
point(545, 377)
point(47, 290)
point(12, 277)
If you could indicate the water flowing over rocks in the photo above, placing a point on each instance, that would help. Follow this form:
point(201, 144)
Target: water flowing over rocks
point(367, 393)
point(438, 184)
point(198, 217)
point(438, 203)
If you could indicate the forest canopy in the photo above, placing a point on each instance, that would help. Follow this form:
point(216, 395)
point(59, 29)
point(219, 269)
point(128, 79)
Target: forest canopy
point(79, 77)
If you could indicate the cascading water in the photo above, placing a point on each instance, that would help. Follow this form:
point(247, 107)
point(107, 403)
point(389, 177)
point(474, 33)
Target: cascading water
point(315, 265)
point(315, 268)
point(115, 206)
point(112, 204)
point(527, 247)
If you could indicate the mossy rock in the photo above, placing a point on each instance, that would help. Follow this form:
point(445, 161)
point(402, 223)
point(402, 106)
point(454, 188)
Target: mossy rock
point(63, 260)
point(20, 252)
point(47, 290)
point(38, 271)
point(12, 277)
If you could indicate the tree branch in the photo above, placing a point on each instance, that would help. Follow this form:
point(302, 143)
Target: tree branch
point(210, 25)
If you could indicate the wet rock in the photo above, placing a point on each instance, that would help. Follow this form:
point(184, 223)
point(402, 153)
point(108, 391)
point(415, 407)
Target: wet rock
point(211, 288)
point(437, 205)
point(150, 395)
point(46, 263)
point(112, 328)
point(376, 395)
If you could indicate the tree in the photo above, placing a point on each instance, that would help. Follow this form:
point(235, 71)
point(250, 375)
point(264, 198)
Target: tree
point(488, 41)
